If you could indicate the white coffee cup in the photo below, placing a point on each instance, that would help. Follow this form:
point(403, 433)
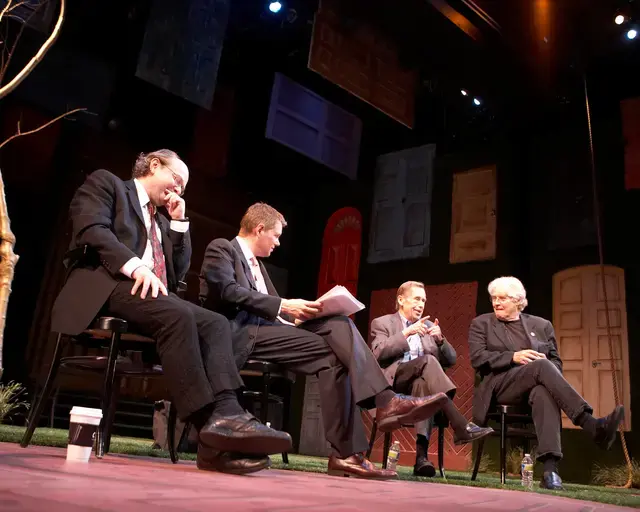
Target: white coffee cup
point(83, 425)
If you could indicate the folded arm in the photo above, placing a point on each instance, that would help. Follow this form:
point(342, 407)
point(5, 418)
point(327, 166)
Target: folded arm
point(91, 212)
point(386, 346)
point(482, 358)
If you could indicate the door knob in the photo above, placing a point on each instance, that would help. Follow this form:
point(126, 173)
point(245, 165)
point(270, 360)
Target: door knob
point(595, 363)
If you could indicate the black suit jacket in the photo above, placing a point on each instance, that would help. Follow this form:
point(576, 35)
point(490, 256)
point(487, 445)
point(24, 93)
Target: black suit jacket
point(227, 287)
point(106, 217)
point(491, 353)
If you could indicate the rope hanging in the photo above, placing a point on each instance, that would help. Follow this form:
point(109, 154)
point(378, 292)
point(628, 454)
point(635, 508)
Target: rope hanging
point(598, 222)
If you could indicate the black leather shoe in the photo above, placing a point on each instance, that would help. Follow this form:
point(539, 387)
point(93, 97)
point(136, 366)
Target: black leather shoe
point(607, 428)
point(552, 481)
point(424, 467)
point(243, 433)
point(471, 432)
point(229, 462)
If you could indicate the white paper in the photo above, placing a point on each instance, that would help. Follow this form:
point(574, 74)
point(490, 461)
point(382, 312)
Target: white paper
point(339, 301)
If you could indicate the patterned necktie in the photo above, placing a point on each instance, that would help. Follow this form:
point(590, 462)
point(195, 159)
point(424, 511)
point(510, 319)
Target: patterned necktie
point(159, 268)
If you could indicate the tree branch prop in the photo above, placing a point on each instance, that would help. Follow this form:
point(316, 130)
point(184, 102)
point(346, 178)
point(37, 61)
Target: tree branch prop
point(8, 259)
point(6, 89)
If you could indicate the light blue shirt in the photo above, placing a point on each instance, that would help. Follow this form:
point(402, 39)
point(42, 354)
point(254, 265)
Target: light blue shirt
point(415, 344)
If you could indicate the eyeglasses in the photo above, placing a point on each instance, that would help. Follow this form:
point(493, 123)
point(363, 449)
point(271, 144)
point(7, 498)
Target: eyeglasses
point(177, 180)
point(501, 299)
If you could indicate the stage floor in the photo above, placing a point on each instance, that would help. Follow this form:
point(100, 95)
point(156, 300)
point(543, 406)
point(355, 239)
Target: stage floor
point(39, 479)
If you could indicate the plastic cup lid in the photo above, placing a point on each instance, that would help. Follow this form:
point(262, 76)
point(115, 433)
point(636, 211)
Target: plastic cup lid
point(86, 411)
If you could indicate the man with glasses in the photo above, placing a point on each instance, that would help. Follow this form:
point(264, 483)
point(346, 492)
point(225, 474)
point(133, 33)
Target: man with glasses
point(517, 358)
point(412, 352)
point(132, 261)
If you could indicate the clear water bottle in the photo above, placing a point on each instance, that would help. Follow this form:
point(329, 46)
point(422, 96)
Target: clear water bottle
point(394, 455)
point(526, 469)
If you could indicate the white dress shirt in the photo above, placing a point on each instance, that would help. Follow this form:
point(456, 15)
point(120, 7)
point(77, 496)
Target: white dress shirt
point(415, 343)
point(147, 258)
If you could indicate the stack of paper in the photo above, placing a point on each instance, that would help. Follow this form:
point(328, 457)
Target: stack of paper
point(339, 301)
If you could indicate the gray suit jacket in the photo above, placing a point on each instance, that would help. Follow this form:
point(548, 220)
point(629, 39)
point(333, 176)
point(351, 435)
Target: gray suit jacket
point(389, 345)
point(491, 353)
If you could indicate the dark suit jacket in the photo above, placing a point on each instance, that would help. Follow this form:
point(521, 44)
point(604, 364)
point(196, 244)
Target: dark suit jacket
point(491, 353)
point(227, 287)
point(389, 345)
point(106, 217)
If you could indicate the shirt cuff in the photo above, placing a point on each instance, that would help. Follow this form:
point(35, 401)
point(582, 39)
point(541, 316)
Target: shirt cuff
point(181, 226)
point(129, 267)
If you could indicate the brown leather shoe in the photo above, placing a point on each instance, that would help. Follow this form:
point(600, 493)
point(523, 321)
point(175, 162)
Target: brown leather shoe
point(243, 433)
point(358, 466)
point(407, 410)
point(229, 462)
point(471, 432)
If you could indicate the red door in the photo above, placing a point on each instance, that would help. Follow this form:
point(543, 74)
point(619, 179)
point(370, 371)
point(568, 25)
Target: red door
point(341, 246)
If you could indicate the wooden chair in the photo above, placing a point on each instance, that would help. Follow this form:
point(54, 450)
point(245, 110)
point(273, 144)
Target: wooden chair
point(440, 421)
point(506, 415)
point(268, 373)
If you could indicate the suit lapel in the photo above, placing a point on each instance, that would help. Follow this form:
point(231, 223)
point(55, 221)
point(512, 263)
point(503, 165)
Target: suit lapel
point(246, 269)
point(397, 322)
point(501, 333)
point(135, 202)
point(532, 341)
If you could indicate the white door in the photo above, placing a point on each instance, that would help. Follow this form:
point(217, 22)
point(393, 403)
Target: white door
point(580, 322)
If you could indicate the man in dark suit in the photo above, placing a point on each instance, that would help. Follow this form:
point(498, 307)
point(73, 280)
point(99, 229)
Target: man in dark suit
point(133, 261)
point(517, 358)
point(235, 283)
point(412, 351)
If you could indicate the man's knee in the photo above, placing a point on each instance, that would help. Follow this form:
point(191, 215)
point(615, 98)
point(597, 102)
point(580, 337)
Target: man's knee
point(431, 364)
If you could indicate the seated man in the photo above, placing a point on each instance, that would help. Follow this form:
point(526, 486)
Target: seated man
point(412, 351)
point(134, 260)
point(235, 283)
point(517, 358)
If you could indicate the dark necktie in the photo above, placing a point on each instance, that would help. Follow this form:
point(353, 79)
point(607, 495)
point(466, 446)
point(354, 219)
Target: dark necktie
point(159, 268)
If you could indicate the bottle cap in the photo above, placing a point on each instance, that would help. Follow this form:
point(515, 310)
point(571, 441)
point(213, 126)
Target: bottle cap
point(527, 455)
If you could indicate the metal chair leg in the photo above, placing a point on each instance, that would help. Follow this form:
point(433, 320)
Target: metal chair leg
point(286, 404)
point(111, 416)
point(385, 449)
point(372, 440)
point(503, 448)
point(36, 412)
point(107, 391)
point(171, 432)
point(184, 436)
point(52, 411)
point(441, 451)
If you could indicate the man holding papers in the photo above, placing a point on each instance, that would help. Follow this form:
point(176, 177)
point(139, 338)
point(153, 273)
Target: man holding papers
point(236, 284)
point(412, 350)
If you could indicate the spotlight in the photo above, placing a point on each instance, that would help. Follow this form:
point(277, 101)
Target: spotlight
point(275, 7)
point(619, 19)
point(477, 102)
point(463, 92)
point(631, 34)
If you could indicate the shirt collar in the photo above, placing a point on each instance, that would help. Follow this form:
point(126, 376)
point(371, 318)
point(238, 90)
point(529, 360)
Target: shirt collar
point(143, 197)
point(248, 254)
point(404, 320)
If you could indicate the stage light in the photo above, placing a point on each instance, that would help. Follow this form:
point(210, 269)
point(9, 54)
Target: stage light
point(631, 34)
point(477, 102)
point(463, 92)
point(275, 7)
point(619, 19)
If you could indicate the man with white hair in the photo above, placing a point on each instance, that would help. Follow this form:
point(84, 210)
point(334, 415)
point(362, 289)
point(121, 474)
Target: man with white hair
point(517, 357)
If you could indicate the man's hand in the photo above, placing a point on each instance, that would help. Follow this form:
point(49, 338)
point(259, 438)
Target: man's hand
point(145, 277)
point(436, 332)
point(527, 356)
point(301, 309)
point(175, 205)
point(416, 328)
